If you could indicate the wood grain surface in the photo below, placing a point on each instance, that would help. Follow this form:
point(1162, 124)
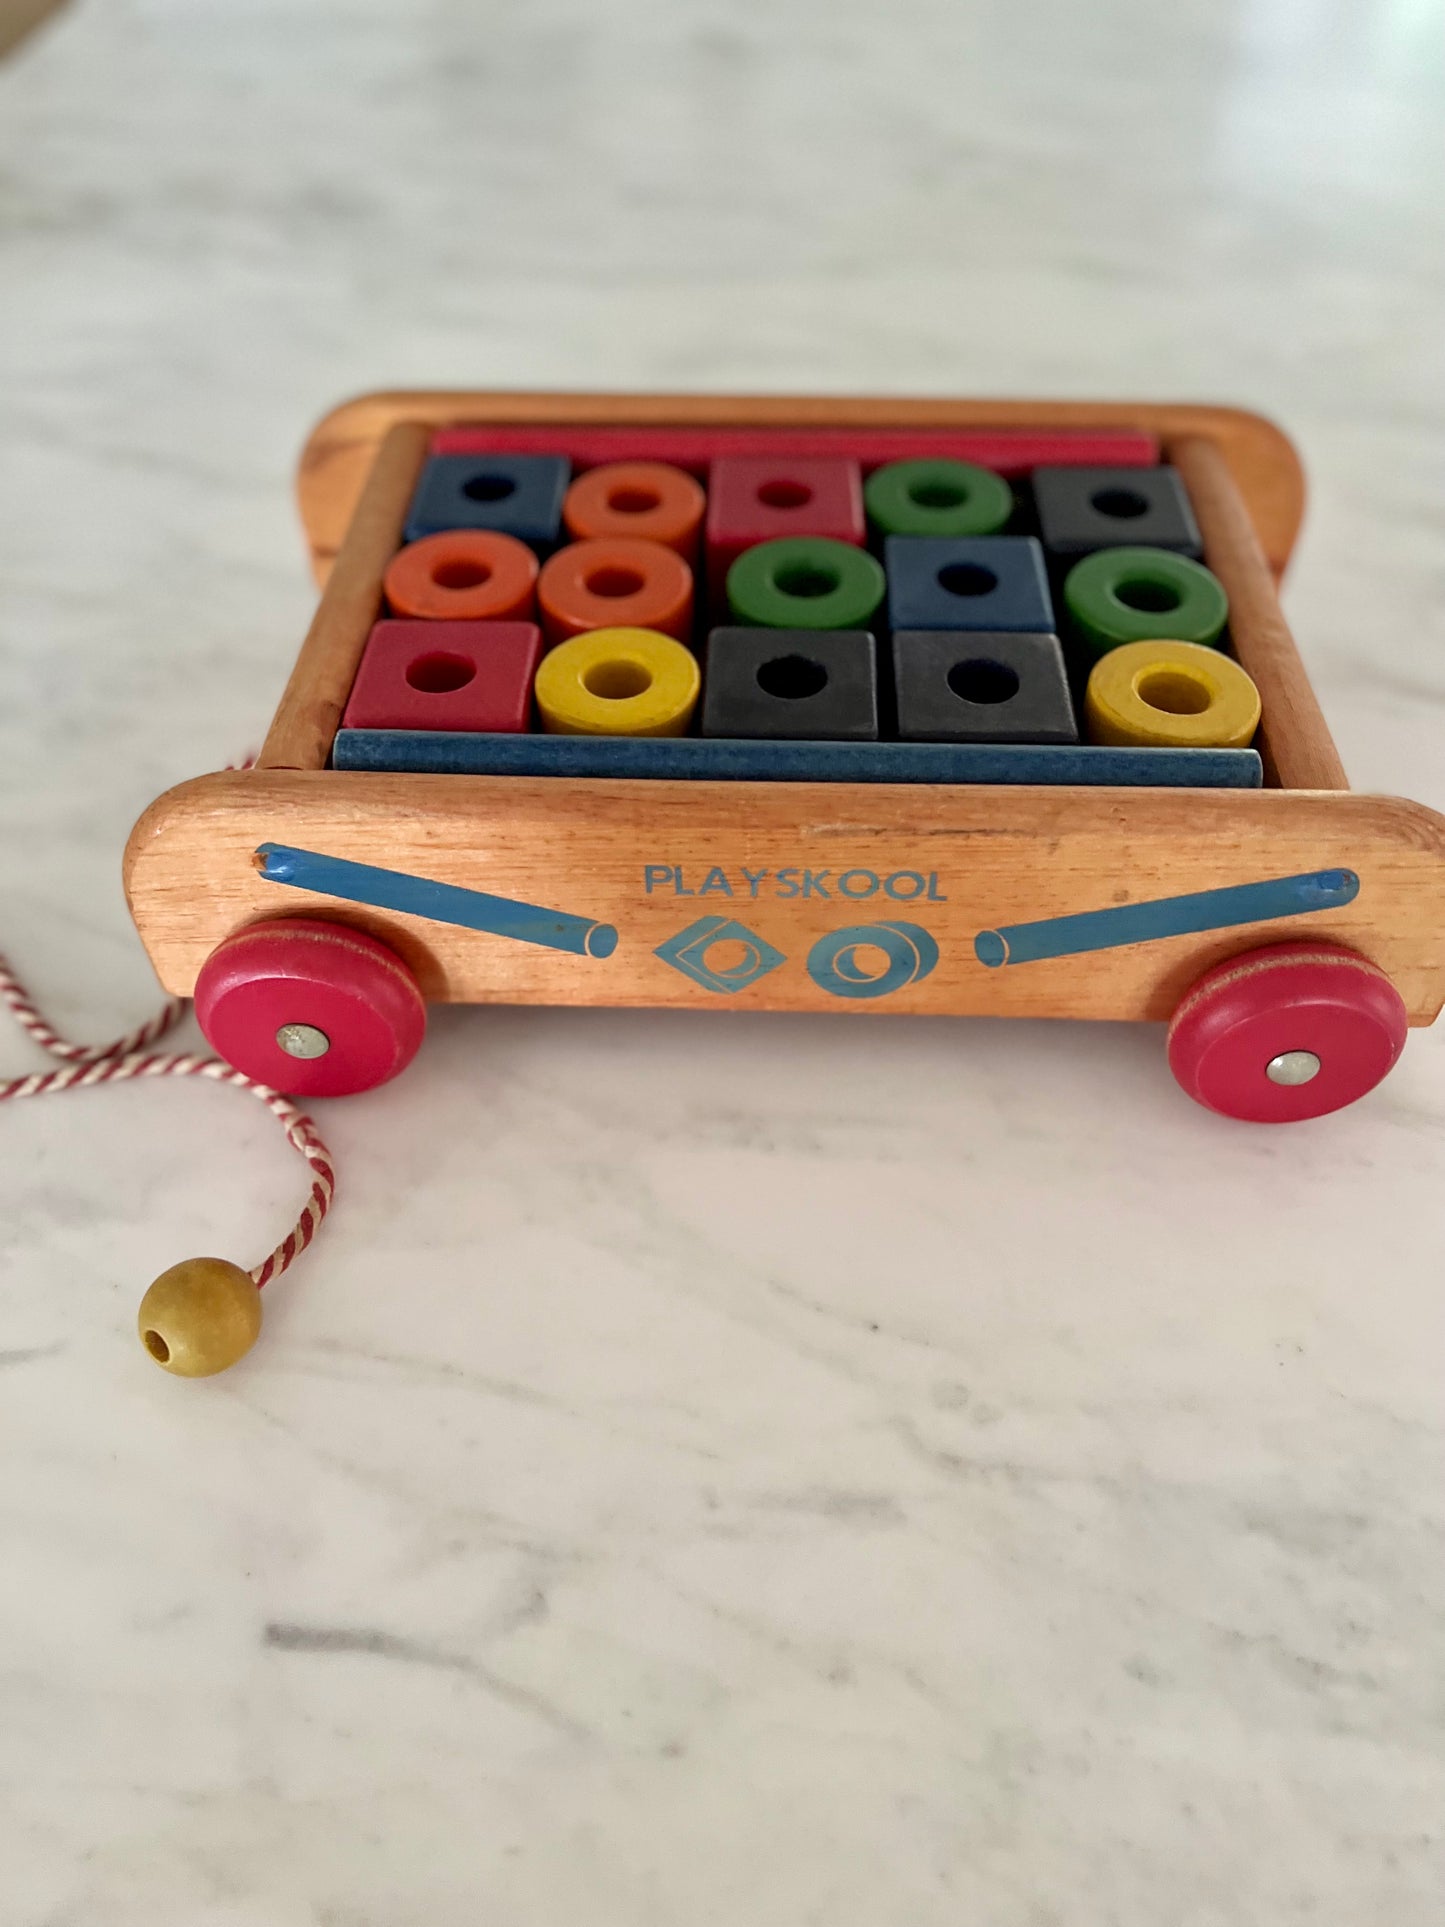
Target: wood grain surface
point(1294, 738)
point(310, 710)
point(985, 858)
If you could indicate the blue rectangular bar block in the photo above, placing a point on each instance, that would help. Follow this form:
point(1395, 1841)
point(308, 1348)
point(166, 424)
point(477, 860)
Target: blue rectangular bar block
point(765, 760)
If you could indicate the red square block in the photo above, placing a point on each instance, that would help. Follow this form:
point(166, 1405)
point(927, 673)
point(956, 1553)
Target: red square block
point(471, 676)
point(760, 498)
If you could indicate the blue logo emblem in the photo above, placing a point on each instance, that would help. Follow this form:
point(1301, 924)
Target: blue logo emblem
point(688, 952)
point(844, 962)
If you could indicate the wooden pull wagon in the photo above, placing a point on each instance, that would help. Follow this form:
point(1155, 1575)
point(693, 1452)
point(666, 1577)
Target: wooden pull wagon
point(1287, 933)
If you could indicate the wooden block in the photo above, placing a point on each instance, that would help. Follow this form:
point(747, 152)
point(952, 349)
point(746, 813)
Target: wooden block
point(519, 495)
point(446, 675)
point(937, 498)
point(799, 684)
point(1007, 451)
point(1173, 695)
point(763, 760)
point(759, 498)
point(972, 686)
point(805, 582)
point(1143, 595)
point(619, 583)
point(990, 582)
point(1084, 509)
point(651, 501)
point(618, 682)
point(463, 575)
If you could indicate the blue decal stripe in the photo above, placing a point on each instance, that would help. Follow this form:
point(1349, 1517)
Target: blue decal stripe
point(1166, 917)
point(333, 876)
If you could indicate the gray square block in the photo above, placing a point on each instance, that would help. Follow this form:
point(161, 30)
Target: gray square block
point(1084, 509)
point(980, 686)
point(804, 684)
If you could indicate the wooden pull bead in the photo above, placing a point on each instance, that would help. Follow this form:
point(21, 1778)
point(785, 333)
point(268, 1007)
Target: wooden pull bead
point(199, 1317)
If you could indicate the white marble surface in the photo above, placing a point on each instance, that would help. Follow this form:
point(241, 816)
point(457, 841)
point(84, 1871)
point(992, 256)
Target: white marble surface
point(714, 1470)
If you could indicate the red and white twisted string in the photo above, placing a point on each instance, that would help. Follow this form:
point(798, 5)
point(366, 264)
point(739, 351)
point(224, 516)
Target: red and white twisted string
point(129, 1056)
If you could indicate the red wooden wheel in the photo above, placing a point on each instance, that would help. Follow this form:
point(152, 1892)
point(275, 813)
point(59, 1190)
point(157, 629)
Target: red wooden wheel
point(1287, 1032)
point(309, 1007)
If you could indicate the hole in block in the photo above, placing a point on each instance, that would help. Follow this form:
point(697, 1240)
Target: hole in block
point(1150, 598)
point(488, 488)
point(440, 672)
point(461, 575)
point(613, 582)
point(633, 501)
point(792, 677)
point(614, 682)
point(156, 1346)
point(981, 680)
point(967, 579)
point(1174, 692)
point(937, 494)
point(785, 495)
point(1124, 503)
point(806, 579)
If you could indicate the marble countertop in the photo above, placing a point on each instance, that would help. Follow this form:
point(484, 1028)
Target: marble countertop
point(713, 1469)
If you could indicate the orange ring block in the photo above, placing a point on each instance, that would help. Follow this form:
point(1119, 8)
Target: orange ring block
point(648, 500)
point(463, 575)
point(618, 583)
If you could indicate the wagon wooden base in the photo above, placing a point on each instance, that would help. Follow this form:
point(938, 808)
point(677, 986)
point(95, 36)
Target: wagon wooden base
point(791, 864)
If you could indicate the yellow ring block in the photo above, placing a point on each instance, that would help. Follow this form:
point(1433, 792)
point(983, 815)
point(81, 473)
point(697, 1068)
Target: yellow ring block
point(1170, 695)
point(618, 682)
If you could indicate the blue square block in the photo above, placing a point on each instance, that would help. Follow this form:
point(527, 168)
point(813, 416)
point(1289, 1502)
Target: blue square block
point(968, 582)
point(518, 495)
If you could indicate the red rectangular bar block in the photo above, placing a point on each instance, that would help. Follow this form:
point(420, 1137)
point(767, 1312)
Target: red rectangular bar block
point(1009, 451)
point(446, 675)
point(762, 498)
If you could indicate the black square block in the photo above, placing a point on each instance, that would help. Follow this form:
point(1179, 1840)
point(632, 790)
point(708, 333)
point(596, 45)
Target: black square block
point(969, 686)
point(1083, 509)
point(809, 685)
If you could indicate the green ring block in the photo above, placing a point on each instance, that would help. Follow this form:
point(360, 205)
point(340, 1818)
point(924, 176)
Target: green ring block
point(937, 498)
point(1109, 594)
point(805, 582)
